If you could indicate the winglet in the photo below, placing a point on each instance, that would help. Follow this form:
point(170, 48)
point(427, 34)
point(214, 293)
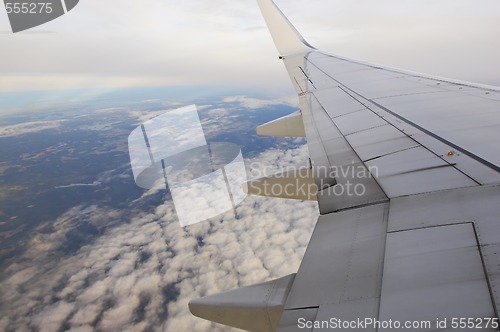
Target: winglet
point(286, 38)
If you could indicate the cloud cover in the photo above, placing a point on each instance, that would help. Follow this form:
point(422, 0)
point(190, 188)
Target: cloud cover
point(28, 127)
point(140, 274)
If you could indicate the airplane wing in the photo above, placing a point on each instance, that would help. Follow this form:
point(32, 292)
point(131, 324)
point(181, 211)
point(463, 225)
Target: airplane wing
point(406, 169)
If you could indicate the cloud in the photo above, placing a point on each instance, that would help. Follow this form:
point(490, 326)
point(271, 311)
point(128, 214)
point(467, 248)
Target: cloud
point(116, 44)
point(156, 57)
point(255, 103)
point(143, 116)
point(141, 273)
point(93, 184)
point(28, 128)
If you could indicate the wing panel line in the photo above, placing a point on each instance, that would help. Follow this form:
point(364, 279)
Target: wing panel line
point(416, 126)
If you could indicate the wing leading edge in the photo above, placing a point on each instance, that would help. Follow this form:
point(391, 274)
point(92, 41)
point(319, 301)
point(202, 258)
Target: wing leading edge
point(423, 153)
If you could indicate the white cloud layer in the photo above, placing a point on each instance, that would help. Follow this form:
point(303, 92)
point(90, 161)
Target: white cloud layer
point(255, 103)
point(28, 127)
point(141, 273)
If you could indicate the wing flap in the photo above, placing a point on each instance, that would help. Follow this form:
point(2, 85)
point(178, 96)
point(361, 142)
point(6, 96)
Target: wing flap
point(343, 260)
point(294, 184)
point(440, 270)
point(287, 126)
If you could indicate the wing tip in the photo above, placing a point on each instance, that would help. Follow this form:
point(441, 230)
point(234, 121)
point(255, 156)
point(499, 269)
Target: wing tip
point(286, 38)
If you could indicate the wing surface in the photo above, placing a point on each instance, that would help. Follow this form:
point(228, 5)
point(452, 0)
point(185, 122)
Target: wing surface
point(407, 170)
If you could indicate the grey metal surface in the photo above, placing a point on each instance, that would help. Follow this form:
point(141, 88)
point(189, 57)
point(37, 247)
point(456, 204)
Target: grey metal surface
point(380, 141)
point(291, 319)
point(478, 205)
point(332, 154)
point(362, 120)
point(491, 259)
point(416, 170)
point(466, 118)
point(341, 103)
point(358, 121)
point(343, 261)
point(350, 311)
point(433, 273)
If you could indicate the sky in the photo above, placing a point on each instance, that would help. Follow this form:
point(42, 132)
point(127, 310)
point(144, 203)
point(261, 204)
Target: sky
point(115, 280)
point(118, 43)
